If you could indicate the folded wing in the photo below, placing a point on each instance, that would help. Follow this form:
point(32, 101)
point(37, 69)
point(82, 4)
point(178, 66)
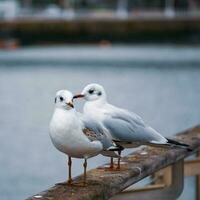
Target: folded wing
point(95, 131)
point(128, 127)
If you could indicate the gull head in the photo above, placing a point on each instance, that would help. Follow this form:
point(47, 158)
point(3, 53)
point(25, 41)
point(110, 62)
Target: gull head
point(92, 92)
point(64, 100)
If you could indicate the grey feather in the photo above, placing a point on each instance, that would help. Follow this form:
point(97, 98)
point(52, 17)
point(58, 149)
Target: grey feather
point(127, 116)
point(128, 127)
point(98, 134)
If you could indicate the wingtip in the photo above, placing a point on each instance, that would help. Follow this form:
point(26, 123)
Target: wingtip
point(179, 144)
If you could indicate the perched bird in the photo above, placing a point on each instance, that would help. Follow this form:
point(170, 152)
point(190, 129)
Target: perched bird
point(75, 135)
point(125, 128)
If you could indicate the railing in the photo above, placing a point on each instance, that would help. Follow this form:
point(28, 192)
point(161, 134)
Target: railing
point(165, 166)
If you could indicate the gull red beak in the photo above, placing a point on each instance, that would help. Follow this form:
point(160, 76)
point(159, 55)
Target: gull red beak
point(78, 96)
point(70, 104)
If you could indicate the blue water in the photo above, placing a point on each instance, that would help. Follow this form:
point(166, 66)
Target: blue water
point(162, 84)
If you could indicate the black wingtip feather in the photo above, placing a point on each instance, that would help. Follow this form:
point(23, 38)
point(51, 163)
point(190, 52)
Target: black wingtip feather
point(179, 144)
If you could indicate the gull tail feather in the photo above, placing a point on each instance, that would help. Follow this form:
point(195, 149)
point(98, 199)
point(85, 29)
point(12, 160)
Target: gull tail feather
point(178, 144)
point(115, 148)
point(111, 151)
point(110, 154)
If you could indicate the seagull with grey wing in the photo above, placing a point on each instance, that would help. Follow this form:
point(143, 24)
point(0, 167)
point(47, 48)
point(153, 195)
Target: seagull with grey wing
point(76, 135)
point(125, 128)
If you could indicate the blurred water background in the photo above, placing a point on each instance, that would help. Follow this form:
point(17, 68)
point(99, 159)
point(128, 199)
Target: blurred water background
point(160, 83)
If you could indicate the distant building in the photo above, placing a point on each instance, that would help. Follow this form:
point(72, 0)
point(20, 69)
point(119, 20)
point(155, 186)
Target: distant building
point(113, 4)
point(68, 9)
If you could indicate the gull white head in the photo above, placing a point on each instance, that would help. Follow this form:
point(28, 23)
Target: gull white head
point(64, 100)
point(92, 92)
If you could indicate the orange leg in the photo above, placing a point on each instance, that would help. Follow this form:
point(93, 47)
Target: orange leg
point(85, 169)
point(69, 182)
point(119, 159)
point(111, 163)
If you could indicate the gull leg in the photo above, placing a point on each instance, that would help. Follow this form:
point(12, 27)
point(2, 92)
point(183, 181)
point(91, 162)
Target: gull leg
point(111, 163)
point(69, 182)
point(119, 159)
point(85, 168)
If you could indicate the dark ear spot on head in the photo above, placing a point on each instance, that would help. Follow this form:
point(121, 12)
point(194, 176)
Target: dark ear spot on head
point(99, 93)
point(55, 100)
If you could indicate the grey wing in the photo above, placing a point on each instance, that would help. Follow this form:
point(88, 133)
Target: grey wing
point(95, 131)
point(128, 127)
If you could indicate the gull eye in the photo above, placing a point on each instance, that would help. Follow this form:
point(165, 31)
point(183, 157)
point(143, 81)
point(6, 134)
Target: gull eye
point(61, 98)
point(91, 91)
point(99, 93)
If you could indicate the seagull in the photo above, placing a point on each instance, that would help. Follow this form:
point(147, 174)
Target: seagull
point(125, 128)
point(76, 135)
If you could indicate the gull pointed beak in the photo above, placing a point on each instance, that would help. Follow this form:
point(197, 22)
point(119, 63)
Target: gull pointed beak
point(78, 96)
point(70, 104)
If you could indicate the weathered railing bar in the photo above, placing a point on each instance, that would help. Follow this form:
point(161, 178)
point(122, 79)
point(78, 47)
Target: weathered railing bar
point(103, 184)
point(170, 190)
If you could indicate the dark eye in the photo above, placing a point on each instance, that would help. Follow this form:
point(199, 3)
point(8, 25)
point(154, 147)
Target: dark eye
point(91, 91)
point(61, 99)
point(99, 93)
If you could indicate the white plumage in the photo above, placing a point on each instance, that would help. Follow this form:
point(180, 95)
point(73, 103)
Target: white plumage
point(125, 128)
point(75, 135)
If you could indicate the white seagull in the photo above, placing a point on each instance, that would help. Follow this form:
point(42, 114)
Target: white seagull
point(75, 135)
point(125, 128)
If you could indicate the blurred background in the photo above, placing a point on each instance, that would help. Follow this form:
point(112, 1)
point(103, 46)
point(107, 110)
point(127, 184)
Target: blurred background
point(145, 53)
